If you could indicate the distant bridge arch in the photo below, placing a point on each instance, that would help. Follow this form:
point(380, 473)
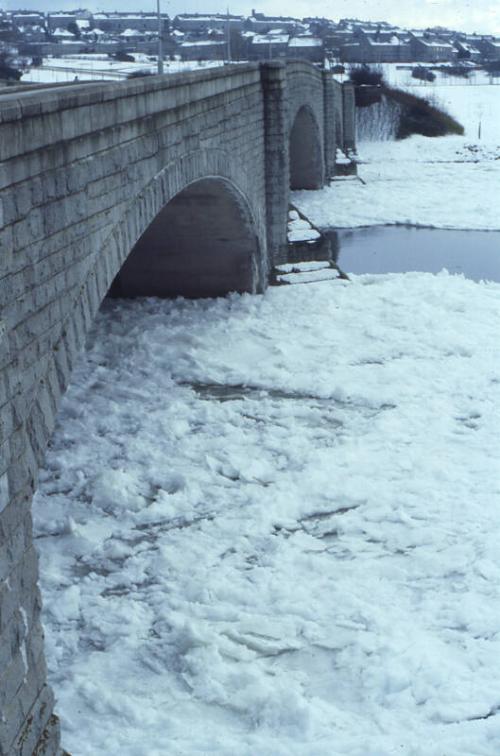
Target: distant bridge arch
point(306, 154)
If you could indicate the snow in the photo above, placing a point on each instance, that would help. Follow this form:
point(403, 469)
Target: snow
point(309, 276)
point(299, 229)
point(93, 67)
point(269, 524)
point(63, 33)
point(131, 33)
point(305, 42)
point(450, 182)
point(270, 39)
point(302, 266)
point(202, 42)
point(302, 234)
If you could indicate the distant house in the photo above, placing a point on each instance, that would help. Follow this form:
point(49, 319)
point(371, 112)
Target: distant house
point(62, 34)
point(131, 36)
point(117, 23)
point(490, 48)
point(61, 20)
point(307, 48)
point(466, 51)
point(8, 30)
point(93, 35)
point(261, 24)
point(28, 18)
point(350, 53)
point(388, 46)
point(200, 23)
point(427, 48)
point(32, 33)
point(202, 49)
point(268, 46)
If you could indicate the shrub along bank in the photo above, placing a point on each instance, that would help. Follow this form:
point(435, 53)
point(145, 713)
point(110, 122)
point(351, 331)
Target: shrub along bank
point(418, 115)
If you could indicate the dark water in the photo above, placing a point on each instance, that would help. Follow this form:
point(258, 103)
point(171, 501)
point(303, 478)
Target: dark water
point(399, 249)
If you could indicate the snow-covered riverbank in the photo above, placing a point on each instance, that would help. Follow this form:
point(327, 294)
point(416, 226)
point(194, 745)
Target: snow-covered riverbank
point(450, 182)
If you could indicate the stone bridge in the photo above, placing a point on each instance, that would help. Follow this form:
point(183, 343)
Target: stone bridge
point(163, 185)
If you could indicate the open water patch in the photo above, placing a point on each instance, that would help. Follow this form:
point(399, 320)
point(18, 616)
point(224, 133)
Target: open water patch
point(401, 249)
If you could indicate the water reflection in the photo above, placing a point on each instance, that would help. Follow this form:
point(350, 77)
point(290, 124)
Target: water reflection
point(399, 249)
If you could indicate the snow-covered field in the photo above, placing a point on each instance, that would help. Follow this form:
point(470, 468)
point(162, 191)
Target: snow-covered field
point(95, 67)
point(268, 525)
point(451, 182)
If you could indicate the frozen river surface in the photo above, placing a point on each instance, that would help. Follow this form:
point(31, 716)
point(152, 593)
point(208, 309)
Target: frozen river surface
point(269, 525)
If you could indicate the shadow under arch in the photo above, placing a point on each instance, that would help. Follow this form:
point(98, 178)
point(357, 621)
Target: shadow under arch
point(306, 162)
point(202, 243)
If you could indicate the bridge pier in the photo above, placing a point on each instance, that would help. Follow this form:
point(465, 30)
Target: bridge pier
point(349, 117)
point(330, 91)
point(277, 159)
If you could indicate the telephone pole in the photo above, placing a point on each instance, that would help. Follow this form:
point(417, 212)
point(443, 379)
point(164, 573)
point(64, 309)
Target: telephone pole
point(160, 38)
point(228, 38)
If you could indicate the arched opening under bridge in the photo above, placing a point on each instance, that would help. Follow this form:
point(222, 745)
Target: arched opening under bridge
point(306, 163)
point(201, 244)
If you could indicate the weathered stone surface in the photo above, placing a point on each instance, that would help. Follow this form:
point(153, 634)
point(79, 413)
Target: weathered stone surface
point(85, 171)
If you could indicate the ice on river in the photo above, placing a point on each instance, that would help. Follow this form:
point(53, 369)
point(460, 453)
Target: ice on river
point(269, 525)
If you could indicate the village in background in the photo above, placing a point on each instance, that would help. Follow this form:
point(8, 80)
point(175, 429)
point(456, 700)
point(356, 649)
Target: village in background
point(65, 46)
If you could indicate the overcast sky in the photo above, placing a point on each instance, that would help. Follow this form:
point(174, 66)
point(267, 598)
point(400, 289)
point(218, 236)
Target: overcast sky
point(470, 15)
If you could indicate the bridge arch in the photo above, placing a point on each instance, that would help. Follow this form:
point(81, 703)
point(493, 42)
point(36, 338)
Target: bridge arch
point(191, 232)
point(306, 151)
point(202, 243)
point(195, 186)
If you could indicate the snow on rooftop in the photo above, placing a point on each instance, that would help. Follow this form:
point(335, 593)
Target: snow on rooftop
point(305, 42)
point(62, 33)
point(467, 46)
point(202, 43)
point(208, 19)
point(267, 39)
point(393, 42)
point(435, 43)
point(131, 33)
